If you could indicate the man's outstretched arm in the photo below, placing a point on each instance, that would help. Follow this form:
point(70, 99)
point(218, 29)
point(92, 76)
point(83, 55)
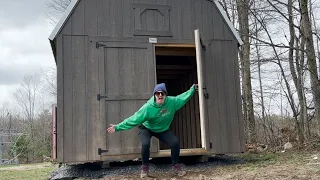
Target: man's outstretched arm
point(137, 118)
point(183, 98)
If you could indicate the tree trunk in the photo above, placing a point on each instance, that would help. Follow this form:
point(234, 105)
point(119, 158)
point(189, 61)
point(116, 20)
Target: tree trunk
point(296, 80)
point(311, 58)
point(243, 15)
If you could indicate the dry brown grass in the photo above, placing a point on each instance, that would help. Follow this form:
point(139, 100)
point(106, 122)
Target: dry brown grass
point(284, 166)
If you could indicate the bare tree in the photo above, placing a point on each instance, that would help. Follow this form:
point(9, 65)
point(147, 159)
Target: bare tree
point(311, 59)
point(26, 97)
point(243, 16)
point(50, 80)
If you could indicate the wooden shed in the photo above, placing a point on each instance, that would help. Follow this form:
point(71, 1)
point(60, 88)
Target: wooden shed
point(111, 53)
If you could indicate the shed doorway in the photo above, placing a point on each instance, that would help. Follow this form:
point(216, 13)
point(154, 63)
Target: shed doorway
point(176, 66)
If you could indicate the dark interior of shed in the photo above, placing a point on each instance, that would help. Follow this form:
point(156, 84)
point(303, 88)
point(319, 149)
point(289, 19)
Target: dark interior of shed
point(176, 66)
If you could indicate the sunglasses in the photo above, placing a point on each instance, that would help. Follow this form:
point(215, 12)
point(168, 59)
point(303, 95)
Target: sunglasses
point(158, 93)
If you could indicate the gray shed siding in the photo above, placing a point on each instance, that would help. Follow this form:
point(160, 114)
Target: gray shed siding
point(105, 18)
point(81, 124)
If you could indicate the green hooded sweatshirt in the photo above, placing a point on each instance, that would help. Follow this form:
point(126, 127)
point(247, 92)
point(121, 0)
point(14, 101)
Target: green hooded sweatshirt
point(154, 117)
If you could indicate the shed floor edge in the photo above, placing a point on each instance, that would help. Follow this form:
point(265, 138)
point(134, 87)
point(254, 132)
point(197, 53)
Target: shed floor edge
point(161, 153)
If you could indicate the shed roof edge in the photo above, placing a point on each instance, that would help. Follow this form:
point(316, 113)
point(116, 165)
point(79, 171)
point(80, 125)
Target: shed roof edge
point(225, 17)
point(63, 19)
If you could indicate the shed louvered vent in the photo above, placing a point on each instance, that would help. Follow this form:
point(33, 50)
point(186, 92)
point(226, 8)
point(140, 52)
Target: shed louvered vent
point(151, 20)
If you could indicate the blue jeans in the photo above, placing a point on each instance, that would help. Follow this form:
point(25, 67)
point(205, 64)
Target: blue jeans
point(166, 137)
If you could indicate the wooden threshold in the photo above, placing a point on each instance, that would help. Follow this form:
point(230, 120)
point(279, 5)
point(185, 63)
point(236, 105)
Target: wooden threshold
point(183, 152)
point(161, 153)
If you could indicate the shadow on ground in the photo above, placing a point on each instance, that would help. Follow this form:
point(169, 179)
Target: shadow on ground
point(158, 165)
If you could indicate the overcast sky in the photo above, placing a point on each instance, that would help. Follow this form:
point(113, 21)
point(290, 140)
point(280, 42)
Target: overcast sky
point(24, 44)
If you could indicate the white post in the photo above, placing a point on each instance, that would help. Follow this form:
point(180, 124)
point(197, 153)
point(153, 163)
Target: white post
point(200, 85)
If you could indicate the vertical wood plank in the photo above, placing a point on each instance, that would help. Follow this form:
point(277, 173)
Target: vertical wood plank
point(192, 115)
point(187, 32)
point(113, 19)
point(68, 129)
point(60, 98)
point(118, 7)
point(213, 102)
point(78, 19)
point(112, 77)
point(197, 113)
point(233, 105)
point(104, 18)
point(188, 114)
point(218, 23)
point(174, 19)
point(79, 44)
point(209, 27)
point(205, 21)
point(184, 118)
point(94, 139)
point(128, 19)
point(91, 17)
point(101, 123)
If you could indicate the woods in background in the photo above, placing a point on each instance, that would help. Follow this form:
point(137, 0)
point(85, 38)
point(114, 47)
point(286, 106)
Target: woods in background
point(25, 133)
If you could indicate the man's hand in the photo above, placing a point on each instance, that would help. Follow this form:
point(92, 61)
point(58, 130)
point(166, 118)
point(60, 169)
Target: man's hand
point(196, 87)
point(111, 128)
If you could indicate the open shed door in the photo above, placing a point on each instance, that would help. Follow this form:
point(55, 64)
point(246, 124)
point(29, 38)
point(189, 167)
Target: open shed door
point(127, 79)
point(219, 96)
point(202, 104)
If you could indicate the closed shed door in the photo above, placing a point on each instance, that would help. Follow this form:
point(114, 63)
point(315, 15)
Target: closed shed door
point(127, 79)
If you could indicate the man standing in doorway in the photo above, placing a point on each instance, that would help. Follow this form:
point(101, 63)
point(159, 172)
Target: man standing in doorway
point(155, 118)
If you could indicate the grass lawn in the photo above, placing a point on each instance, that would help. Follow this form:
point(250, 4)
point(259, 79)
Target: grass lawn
point(26, 172)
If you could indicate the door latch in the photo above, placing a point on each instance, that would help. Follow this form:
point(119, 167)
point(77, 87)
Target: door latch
point(100, 97)
point(100, 151)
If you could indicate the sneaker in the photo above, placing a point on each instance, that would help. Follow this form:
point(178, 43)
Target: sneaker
point(144, 171)
point(178, 170)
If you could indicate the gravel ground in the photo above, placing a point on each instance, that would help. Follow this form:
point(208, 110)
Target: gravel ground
point(88, 171)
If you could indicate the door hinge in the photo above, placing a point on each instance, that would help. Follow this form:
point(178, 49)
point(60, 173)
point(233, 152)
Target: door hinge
point(100, 151)
point(205, 93)
point(210, 145)
point(202, 45)
point(98, 45)
point(100, 97)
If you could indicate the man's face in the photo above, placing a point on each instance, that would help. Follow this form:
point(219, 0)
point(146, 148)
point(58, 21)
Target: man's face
point(160, 97)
